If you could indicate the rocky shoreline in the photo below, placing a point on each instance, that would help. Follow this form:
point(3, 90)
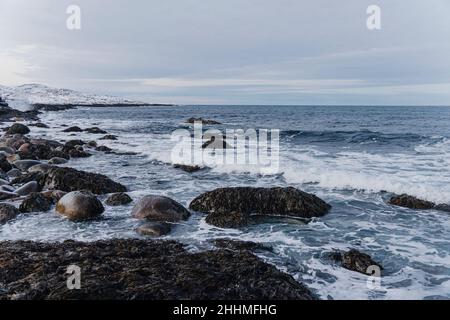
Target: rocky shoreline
point(33, 180)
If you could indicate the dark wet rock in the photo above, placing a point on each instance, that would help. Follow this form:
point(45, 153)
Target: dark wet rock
point(57, 160)
point(7, 150)
point(229, 220)
point(73, 129)
point(411, 202)
point(95, 130)
point(28, 188)
point(355, 261)
point(5, 195)
point(216, 143)
point(14, 173)
point(201, 120)
point(118, 199)
point(187, 168)
point(103, 149)
point(7, 213)
point(140, 270)
point(3, 182)
point(18, 128)
point(79, 206)
point(159, 208)
point(228, 207)
point(79, 153)
point(73, 143)
point(69, 179)
point(92, 144)
point(5, 166)
point(53, 195)
point(35, 202)
point(24, 165)
point(442, 207)
point(154, 229)
point(109, 137)
point(239, 245)
point(39, 125)
point(7, 187)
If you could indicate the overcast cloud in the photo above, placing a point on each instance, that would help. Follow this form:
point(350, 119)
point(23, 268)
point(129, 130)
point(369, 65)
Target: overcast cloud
point(233, 51)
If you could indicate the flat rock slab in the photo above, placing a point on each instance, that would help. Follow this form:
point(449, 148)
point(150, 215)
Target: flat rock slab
point(142, 270)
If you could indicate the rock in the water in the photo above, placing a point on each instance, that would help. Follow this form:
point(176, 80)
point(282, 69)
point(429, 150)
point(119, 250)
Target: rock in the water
point(79, 153)
point(154, 229)
point(35, 202)
point(118, 199)
point(214, 143)
point(3, 182)
point(201, 120)
point(79, 206)
point(411, 202)
point(28, 188)
point(232, 206)
point(71, 144)
point(73, 129)
point(238, 245)
point(53, 195)
point(39, 125)
point(358, 261)
point(187, 168)
point(442, 207)
point(103, 149)
point(109, 137)
point(123, 269)
point(95, 130)
point(57, 160)
point(159, 208)
point(7, 212)
point(18, 128)
point(69, 179)
point(24, 165)
point(229, 220)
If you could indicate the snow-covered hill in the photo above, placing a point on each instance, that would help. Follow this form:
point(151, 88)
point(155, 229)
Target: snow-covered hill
point(25, 96)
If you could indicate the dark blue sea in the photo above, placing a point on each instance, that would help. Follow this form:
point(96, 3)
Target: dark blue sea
point(353, 157)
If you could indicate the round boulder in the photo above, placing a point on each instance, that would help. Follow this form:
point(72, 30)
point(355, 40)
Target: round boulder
point(18, 128)
point(159, 208)
point(24, 165)
point(79, 206)
point(28, 188)
point(118, 199)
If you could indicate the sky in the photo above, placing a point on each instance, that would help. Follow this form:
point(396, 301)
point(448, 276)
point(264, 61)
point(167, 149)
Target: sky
point(233, 51)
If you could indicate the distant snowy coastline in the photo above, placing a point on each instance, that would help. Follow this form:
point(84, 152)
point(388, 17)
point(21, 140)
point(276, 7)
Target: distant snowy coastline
point(29, 96)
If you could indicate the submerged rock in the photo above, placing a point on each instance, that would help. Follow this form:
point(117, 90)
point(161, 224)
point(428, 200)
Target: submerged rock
point(79, 206)
point(159, 208)
point(154, 229)
point(35, 202)
point(355, 260)
point(18, 128)
point(140, 270)
point(109, 137)
point(203, 121)
point(73, 129)
point(118, 199)
point(411, 202)
point(7, 213)
point(95, 130)
point(187, 168)
point(229, 207)
point(442, 207)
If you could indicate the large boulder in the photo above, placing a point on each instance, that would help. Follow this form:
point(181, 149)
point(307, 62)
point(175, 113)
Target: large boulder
point(18, 128)
point(237, 204)
point(159, 208)
point(411, 202)
point(79, 206)
point(69, 179)
point(7, 212)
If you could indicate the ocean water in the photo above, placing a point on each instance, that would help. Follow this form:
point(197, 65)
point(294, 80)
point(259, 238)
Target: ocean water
point(354, 158)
